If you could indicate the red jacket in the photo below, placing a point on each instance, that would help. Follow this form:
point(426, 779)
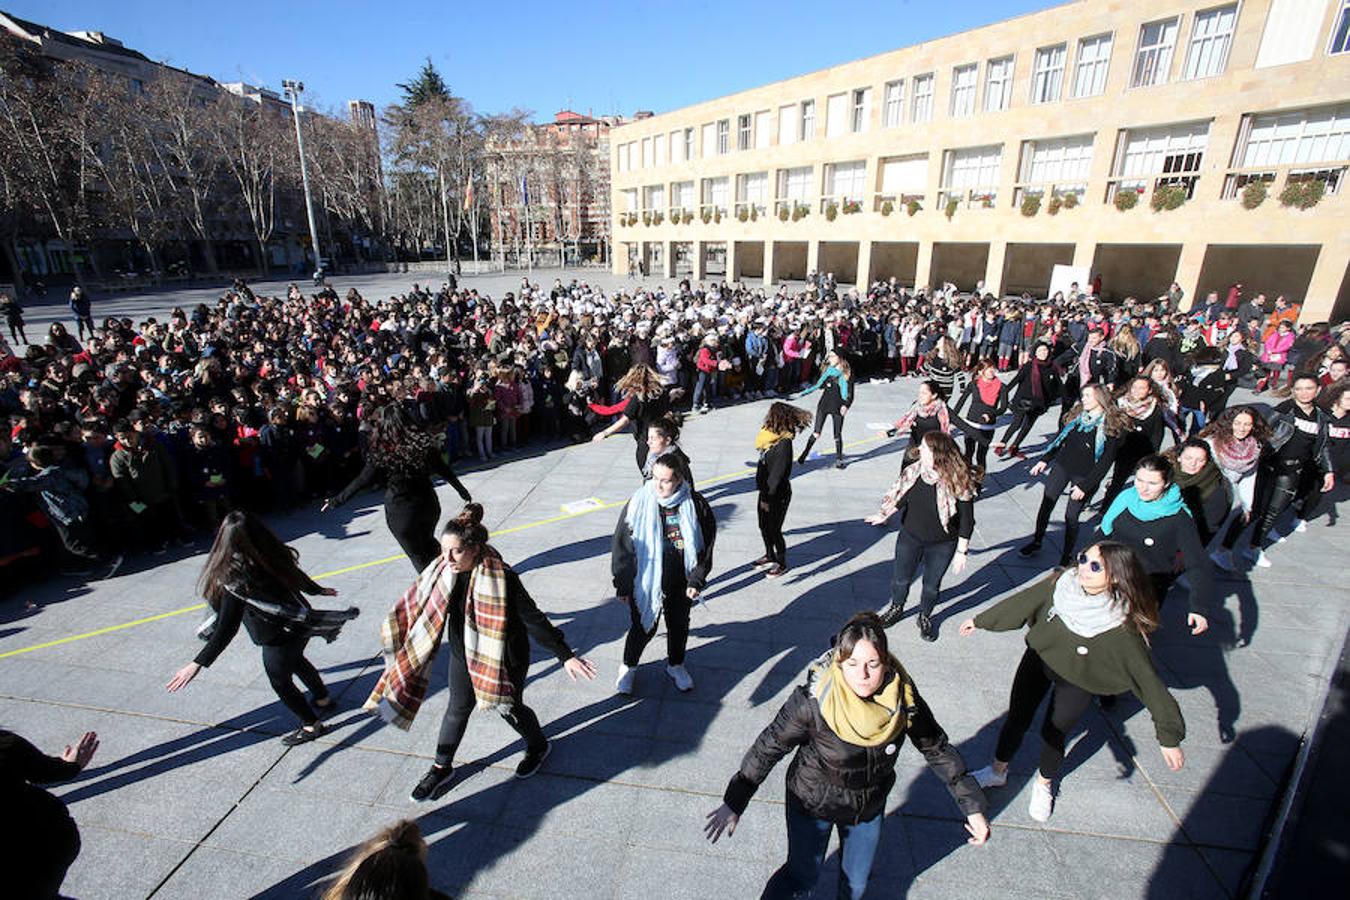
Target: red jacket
point(706, 361)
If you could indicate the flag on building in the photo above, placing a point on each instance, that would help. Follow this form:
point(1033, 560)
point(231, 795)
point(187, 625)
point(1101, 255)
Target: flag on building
point(524, 192)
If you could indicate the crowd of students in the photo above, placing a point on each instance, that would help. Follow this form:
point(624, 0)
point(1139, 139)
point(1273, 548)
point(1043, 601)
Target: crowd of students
point(194, 425)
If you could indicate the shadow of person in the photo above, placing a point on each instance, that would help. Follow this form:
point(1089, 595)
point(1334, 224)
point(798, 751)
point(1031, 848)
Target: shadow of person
point(1189, 661)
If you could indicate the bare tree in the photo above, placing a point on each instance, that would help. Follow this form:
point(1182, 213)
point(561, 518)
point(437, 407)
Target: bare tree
point(256, 159)
point(183, 108)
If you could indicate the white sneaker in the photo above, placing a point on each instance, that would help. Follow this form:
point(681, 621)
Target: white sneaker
point(624, 683)
point(1301, 527)
point(1223, 559)
point(680, 675)
point(1262, 559)
point(988, 778)
point(1042, 800)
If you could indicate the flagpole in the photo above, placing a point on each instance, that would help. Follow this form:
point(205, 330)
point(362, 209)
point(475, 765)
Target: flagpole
point(529, 240)
point(471, 204)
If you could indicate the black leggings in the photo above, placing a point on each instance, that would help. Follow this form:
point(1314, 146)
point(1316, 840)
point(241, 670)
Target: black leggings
point(1022, 423)
point(1277, 486)
point(836, 420)
point(461, 705)
point(976, 450)
point(676, 612)
point(1055, 482)
point(413, 519)
point(1068, 702)
point(772, 514)
point(282, 663)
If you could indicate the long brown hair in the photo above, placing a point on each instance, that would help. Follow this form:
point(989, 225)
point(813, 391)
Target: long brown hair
point(1220, 430)
point(244, 545)
point(641, 381)
point(1117, 422)
point(390, 866)
point(842, 365)
point(1131, 587)
point(784, 418)
point(950, 464)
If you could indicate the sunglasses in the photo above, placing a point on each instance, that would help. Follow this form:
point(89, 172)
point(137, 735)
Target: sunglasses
point(1093, 565)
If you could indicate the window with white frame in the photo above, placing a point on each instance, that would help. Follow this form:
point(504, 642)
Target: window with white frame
point(1340, 30)
point(723, 137)
point(1301, 136)
point(659, 151)
point(630, 199)
point(973, 172)
point(1062, 161)
point(861, 111)
point(1153, 59)
point(646, 152)
point(964, 80)
point(654, 197)
point(1091, 66)
point(846, 180)
point(752, 189)
point(836, 109)
point(710, 140)
point(1047, 75)
point(682, 195)
point(715, 193)
point(744, 134)
point(677, 147)
point(622, 157)
point(763, 129)
point(1169, 154)
point(894, 110)
point(1211, 37)
point(794, 184)
point(998, 79)
point(904, 176)
point(689, 143)
point(787, 124)
point(806, 118)
point(922, 109)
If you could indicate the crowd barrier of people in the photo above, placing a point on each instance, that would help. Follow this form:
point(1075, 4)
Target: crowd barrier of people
point(129, 437)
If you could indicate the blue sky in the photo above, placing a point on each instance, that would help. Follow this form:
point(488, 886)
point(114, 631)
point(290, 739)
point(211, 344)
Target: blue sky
point(600, 55)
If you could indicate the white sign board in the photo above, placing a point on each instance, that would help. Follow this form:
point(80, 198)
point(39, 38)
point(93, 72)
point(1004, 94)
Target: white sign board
point(1063, 276)
point(578, 507)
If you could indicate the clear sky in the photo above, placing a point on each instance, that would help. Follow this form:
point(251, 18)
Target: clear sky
point(600, 55)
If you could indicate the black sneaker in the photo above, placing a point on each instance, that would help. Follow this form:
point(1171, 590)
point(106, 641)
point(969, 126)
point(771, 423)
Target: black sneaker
point(304, 734)
point(926, 628)
point(890, 615)
point(1030, 549)
point(431, 784)
point(533, 760)
point(841, 464)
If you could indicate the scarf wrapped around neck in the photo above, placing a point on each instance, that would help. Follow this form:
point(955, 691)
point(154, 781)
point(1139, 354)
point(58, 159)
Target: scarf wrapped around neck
point(1037, 389)
point(918, 411)
point(1169, 504)
point(946, 499)
point(1086, 615)
point(766, 439)
point(1204, 482)
point(1237, 457)
point(1086, 421)
point(1139, 410)
point(862, 721)
point(646, 524)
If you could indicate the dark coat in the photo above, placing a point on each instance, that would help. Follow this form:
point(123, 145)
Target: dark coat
point(623, 559)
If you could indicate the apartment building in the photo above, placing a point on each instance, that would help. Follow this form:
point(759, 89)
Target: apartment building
point(1147, 141)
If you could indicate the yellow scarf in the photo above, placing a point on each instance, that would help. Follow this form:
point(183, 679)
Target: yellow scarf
point(864, 722)
point(766, 439)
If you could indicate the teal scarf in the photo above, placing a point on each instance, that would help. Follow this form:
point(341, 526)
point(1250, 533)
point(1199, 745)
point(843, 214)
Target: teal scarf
point(1085, 422)
point(831, 372)
point(1169, 504)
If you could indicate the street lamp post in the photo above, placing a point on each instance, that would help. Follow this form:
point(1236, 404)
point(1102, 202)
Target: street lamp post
point(293, 90)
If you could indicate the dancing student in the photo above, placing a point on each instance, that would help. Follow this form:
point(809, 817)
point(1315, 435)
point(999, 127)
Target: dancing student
point(930, 413)
point(405, 456)
point(474, 604)
point(1035, 386)
point(1152, 519)
point(1336, 400)
point(837, 394)
point(773, 481)
point(846, 725)
point(661, 556)
point(943, 366)
point(252, 578)
point(644, 402)
point(1160, 373)
point(1091, 362)
point(1129, 357)
point(1238, 363)
point(988, 399)
point(1087, 635)
point(1078, 459)
point(935, 500)
point(1236, 439)
point(392, 864)
point(1296, 463)
point(663, 437)
point(1143, 407)
point(1203, 486)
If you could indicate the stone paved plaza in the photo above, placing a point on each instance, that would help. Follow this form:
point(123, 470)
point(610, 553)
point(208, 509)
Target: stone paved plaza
point(191, 795)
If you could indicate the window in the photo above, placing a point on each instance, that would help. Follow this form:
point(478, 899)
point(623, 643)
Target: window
point(763, 129)
point(658, 152)
point(709, 140)
point(923, 99)
point(964, 79)
point(787, 124)
point(654, 197)
point(895, 104)
point(1302, 136)
point(972, 172)
point(623, 157)
point(677, 147)
point(1340, 32)
point(835, 109)
point(1211, 36)
point(682, 195)
point(1065, 161)
point(998, 75)
point(752, 189)
point(715, 193)
point(1047, 78)
point(1172, 151)
point(846, 180)
point(1091, 65)
point(1153, 60)
point(862, 110)
point(723, 137)
point(1331, 178)
point(904, 176)
point(807, 120)
point(794, 185)
point(689, 143)
point(744, 137)
point(630, 200)
point(646, 152)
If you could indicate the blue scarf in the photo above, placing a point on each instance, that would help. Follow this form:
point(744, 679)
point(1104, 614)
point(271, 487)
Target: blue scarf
point(1085, 422)
point(828, 373)
point(1169, 504)
point(648, 530)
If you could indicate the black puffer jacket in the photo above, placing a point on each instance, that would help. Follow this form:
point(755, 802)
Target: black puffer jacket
point(840, 782)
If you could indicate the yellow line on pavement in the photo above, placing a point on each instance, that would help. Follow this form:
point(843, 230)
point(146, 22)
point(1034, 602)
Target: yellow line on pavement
point(196, 607)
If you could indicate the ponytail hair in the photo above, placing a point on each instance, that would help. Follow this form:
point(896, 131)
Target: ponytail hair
point(468, 526)
point(391, 864)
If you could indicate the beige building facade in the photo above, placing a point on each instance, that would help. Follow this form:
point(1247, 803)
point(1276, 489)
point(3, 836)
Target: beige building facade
point(994, 154)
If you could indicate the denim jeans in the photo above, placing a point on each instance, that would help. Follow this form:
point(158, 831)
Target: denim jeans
point(808, 839)
point(910, 553)
point(705, 389)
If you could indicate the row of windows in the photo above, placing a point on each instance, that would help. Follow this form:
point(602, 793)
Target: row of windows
point(1052, 79)
point(1164, 154)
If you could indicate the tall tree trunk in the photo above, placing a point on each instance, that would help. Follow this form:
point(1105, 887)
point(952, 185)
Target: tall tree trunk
point(264, 267)
point(209, 256)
